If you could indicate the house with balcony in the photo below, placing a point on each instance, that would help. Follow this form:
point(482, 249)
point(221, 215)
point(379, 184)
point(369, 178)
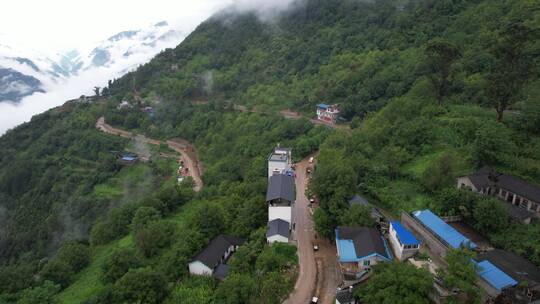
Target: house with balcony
point(358, 249)
point(328, 113)
point(523, 197)
point(280, 161)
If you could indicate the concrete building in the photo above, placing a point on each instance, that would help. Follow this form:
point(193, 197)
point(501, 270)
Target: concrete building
point(280, 196)
point(280, 161)
point(327, 113)
point(213, 259)
point(358, 249)
point(278, 231)
point(345, 296)
point(523, 198)
point(403, 241)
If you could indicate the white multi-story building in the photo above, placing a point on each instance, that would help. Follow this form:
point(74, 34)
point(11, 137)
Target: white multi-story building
point(280, 161)
point(403, 241)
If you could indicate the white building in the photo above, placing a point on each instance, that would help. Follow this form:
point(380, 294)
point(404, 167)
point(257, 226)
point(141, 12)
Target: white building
point(280, 197)
point(280, 161)
point(403, 241)
point(327, 113)
point(215, 255)
point(278, 231)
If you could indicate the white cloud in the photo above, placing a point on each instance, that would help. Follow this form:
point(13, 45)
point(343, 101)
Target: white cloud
point(53, 26)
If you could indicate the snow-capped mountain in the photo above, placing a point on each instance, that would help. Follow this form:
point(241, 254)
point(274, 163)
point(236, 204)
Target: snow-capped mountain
point(24, 71)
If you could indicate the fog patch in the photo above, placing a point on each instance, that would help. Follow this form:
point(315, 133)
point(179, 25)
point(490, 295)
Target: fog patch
point(208, 82)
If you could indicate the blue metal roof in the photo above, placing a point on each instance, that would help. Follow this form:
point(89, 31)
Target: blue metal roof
point(323, 105)
point(494, 276)
point(346, 251)
point(442, 229)
point(129, 158)
point(404, 235)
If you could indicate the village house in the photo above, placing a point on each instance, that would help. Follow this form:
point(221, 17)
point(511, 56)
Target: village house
point(523, 197)
point(327, 113)
point(403, 241)
point(280, 197)
point(439, 237)
point(358, 249)
point(279, 231)
point(345, 296)
point(375, 213)
point(280, 161)
point(212, 261)
point(128, 159)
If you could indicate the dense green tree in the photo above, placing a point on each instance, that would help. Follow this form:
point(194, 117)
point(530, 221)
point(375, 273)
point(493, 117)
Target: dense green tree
point(323, 225)
point(237, 289)
point(490, 216)
point(461, 275)
point(357, 215)
point(154, 237)
point(58, 272)
point(118, 263)
point(397, 283)
point(44, 294)
point(144, 216)
point(511, 68)
point(277, 257)
point(441, 57)
point(274, 288)
point(142, 285)
point(74, 254)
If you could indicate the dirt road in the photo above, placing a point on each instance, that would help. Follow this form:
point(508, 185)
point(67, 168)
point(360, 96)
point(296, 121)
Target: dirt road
point(319, 273)
point(187, 150)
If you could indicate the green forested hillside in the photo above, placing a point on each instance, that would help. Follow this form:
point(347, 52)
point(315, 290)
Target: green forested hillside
point(420, 82)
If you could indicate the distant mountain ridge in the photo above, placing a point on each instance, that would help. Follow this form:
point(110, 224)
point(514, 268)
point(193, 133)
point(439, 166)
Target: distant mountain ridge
point(24, 72)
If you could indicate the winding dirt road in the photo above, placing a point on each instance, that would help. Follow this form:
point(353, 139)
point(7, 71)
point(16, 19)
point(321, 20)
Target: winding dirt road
point(319, 272)
point(187, 150)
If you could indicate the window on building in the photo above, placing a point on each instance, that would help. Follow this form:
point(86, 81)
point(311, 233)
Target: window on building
point(367, 262)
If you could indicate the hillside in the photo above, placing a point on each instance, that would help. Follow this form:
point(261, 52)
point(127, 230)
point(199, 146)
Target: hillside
point(412, 134)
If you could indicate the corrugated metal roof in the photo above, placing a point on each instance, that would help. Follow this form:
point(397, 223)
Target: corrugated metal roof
point(404, 235)
point(323, 106)
point(442, 229)
point(494, 276)
point(356, 243)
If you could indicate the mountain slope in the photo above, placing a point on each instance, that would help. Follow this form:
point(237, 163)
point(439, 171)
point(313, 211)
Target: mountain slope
point(367, 56)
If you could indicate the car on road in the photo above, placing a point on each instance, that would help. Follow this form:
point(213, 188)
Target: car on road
point(308, 170)
point(311, 160)
point(314, 300)
point(315, 247)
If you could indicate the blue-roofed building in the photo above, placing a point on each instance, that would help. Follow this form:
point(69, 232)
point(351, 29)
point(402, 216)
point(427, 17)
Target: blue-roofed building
point(496, 279)
point(403, 241)
point(359, 248)
point(444, 232)
point(327, 113)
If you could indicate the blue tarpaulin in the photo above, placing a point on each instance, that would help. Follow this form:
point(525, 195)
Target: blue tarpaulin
point(494, 276)
point(346, 251)
point(323, 106)
point(404, 235)
point(442, 229)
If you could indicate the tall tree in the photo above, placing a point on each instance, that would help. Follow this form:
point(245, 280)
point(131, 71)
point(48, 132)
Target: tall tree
point(397, 283)
point(441, 57)
point(461, 275)
point(511, 68)
point(96, 91)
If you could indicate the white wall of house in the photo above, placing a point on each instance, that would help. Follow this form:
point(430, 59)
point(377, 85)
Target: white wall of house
point(277, 238)
point(283, 213)
point(198, 268)
point(400, 251)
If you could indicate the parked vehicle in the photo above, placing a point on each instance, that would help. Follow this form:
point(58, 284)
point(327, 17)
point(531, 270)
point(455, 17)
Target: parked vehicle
point(314, 300)
point(311, 160)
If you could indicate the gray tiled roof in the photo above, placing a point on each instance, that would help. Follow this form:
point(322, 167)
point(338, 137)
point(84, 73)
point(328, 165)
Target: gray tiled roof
point(518, 268)
point(278, 226)
point(488, 176)
point(280, 186)
point(366, 240)
point(211, 255)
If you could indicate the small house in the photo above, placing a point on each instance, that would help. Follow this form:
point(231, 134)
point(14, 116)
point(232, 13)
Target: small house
point(278, 231)
point(403, 241)
point(280, 196)
point(279, 161)
point(508, 188)
point(358, 249)
point(327, 113)
point(128, 159)
point(360, 200)
point(213, 259)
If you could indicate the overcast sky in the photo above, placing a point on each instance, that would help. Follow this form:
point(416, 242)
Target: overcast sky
point(63, 24)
